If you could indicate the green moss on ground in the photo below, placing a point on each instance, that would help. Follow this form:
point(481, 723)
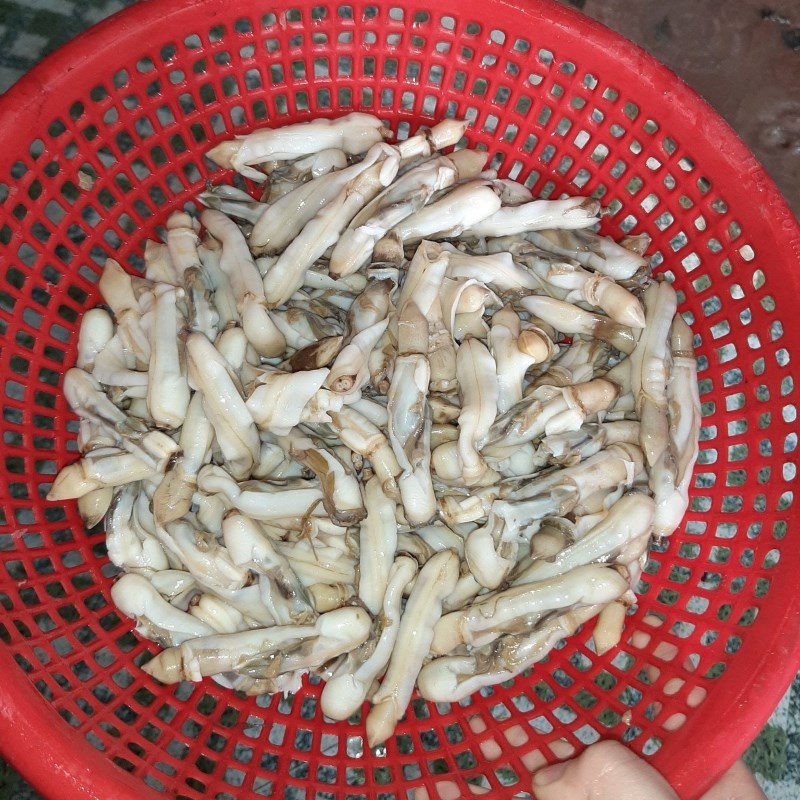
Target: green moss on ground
point(13, 787)
point(767, 755)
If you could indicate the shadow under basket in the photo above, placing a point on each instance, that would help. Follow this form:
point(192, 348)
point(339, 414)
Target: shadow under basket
point(106, 138)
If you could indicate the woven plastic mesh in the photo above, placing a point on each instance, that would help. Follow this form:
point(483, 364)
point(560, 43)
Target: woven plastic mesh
point(104, 142)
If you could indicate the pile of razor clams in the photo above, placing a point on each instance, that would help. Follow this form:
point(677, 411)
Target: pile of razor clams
point(396, 423)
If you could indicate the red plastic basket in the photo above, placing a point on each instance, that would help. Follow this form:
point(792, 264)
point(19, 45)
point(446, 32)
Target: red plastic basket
point(104, 139)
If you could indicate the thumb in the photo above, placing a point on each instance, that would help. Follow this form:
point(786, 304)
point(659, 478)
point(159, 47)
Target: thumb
point(606, 771)
point(737, 783)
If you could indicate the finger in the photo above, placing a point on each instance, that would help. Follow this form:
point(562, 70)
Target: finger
point(516, 736)
point(606, 771)
point(448, 790)
point(491, 750)
point(737, 783)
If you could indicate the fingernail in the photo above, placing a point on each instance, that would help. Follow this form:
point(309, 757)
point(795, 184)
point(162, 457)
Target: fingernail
point(548, 775)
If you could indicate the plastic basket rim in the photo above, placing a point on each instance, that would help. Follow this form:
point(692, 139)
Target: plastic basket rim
point(31, 728)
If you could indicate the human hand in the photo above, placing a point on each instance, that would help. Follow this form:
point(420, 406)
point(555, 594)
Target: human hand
point(610, 771)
